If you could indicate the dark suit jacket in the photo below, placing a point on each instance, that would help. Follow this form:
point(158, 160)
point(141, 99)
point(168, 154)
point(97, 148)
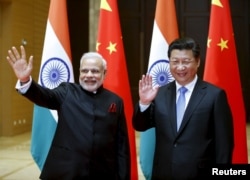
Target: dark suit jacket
point(204, 138)
point(91, 139)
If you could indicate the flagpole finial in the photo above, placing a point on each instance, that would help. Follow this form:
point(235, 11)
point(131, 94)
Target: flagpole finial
point(23, 42)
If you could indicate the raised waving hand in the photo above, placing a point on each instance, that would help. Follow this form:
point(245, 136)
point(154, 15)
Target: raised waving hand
point(19, 64)
point(147, 92)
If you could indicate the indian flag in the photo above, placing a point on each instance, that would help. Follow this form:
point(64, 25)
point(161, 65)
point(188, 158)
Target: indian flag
point(165, 30)
point(56, 67)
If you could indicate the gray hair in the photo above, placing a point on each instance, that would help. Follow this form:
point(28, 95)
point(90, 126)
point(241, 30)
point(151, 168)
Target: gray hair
point(94, 55)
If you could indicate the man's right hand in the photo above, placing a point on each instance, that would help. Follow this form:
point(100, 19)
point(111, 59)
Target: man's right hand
point(147, 92)
point(18, 62)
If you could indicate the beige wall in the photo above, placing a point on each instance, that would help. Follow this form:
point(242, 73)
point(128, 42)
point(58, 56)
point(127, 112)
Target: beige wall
point(93, 22)
point(26, 20)
point(19, 20)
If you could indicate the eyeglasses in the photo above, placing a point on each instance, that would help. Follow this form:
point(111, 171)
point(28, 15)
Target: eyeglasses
point(184, 62)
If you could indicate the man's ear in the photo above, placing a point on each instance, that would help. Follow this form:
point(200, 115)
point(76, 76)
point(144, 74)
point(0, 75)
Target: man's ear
point(198, 62)
point(104, 73)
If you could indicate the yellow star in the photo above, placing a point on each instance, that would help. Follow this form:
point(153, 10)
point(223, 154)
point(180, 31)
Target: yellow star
point(105, 5)
point(223, 44)
point(97, 46)
point(111, 47)
point(217, 3)
point(208, 42)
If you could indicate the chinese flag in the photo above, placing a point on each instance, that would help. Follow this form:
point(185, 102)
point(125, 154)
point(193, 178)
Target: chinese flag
point(110, 45)
point(221, 68)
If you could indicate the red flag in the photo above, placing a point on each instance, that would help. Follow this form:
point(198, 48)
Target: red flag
point(221, 68)
point(110, 45)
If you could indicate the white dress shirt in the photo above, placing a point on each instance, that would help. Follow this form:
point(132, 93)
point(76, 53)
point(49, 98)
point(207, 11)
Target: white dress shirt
point(190, 88)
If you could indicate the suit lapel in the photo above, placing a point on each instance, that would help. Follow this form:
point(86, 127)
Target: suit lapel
point(171, 107)
point(196, 97)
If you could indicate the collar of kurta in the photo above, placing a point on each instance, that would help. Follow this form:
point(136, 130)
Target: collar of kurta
point(94, 93)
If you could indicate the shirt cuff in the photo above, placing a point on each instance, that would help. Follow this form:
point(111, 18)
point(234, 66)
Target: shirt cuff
point(143, 107)
point(23, 88)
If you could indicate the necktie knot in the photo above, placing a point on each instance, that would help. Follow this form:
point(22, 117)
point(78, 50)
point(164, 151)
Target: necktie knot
point(183, 90)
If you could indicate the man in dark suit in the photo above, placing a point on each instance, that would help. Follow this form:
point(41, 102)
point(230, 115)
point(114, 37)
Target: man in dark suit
point(204, 135)
point(91, 138)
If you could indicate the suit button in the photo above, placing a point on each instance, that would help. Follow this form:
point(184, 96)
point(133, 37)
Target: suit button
point(175, 144)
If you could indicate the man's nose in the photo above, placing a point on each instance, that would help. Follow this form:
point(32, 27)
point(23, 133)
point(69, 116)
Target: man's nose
point(181, 66)
point(89, 73)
